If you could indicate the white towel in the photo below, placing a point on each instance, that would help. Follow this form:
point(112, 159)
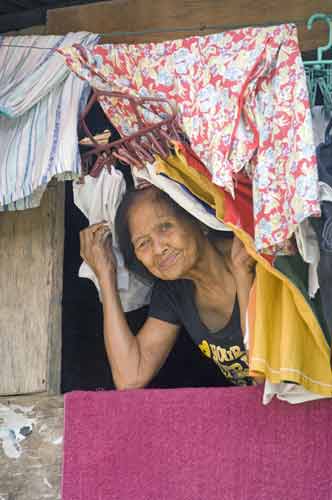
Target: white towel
point(98, 198)
point(290, 393)
point(183, 198)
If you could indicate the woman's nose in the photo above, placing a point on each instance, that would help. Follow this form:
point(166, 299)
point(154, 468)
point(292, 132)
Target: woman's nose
point(160, 246)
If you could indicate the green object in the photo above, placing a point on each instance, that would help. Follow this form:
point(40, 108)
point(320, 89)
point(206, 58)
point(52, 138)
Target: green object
point(296, 271)
point(319, 71)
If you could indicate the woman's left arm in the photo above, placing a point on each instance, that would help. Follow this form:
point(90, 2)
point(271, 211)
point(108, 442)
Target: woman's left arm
point(243, 269)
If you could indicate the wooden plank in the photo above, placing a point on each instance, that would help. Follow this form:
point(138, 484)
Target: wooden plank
point(57, 202)
point(35, 473)
point(31, 249)
point(138, 15)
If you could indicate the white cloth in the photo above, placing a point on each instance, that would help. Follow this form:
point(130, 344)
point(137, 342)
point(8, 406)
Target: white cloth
point(291, 393)
point(320, 119)
point(325, 192)
point(40, 99)
point(98, 198)
point(180, 196)
point(308, 246)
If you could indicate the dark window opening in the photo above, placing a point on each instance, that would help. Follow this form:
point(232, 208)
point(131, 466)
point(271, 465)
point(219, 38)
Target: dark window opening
point(84, 362)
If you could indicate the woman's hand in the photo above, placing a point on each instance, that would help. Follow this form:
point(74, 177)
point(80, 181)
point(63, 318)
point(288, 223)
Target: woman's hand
point(96, 250)
point(243, 266)
point(243, 270)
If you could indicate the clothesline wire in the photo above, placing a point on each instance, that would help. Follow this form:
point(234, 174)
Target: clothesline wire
point(200, 29)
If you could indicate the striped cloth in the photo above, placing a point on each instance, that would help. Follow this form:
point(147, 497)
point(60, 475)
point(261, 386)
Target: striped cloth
point(39, 104)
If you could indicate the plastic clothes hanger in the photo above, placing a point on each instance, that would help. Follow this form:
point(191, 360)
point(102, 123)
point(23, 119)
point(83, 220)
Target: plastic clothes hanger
point(150, 139)
point(319, 71)
point(139, 147)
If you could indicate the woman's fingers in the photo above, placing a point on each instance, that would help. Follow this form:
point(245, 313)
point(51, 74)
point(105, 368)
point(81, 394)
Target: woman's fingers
point(101, 233)
point(92, 240)
point(93, 233)
point(94, 229)
point(96, 249)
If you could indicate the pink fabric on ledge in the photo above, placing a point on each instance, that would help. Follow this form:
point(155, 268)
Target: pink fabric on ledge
point(195, 444)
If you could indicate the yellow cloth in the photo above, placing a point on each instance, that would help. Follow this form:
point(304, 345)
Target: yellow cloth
point(287, 342)
point(177, 169)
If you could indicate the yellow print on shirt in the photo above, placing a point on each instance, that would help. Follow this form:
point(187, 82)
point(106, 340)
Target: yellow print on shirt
point(205, 348)
point(233, 362)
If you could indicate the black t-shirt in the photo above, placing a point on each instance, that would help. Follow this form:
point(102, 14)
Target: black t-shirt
point(174, 302)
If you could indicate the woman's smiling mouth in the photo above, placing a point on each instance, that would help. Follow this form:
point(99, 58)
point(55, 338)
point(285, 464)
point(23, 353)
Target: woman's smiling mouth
point(168, 261)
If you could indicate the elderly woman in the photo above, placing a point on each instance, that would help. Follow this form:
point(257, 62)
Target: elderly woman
point(200, 283)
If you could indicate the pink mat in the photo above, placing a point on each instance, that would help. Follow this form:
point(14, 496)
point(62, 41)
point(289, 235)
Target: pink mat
point(195, 444)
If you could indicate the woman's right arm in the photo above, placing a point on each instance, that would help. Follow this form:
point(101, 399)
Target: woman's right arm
point(134, 359)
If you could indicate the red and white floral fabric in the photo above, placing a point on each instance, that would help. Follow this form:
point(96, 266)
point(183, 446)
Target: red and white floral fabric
point(242, 101)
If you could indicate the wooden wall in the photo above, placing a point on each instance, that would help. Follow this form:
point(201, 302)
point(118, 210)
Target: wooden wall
point(31, 262)
point(31, 252)
point(139, 15)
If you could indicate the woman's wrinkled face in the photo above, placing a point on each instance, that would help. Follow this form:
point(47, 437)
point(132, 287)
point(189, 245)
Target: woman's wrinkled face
point(168, 246)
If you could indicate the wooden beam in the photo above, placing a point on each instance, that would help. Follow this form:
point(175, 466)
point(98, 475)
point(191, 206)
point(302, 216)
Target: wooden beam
point(140, 15)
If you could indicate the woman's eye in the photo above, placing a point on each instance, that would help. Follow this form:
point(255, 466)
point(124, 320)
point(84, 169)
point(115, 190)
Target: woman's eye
point(165, 226)
point(142, 245)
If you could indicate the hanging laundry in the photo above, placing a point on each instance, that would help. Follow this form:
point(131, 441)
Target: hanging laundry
point(243, 103)
point(291, 393)
point(320, 120)
point(200, 187)
point(98, 198)
point(324, 155)
point(306, 238)
point(308, 247)
point(237, 210)
point(326, 200)
point(184, 167)
point(183, 197)
point(323, 226)
point(288, 341)
point(39, 104)
point(309, 250)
